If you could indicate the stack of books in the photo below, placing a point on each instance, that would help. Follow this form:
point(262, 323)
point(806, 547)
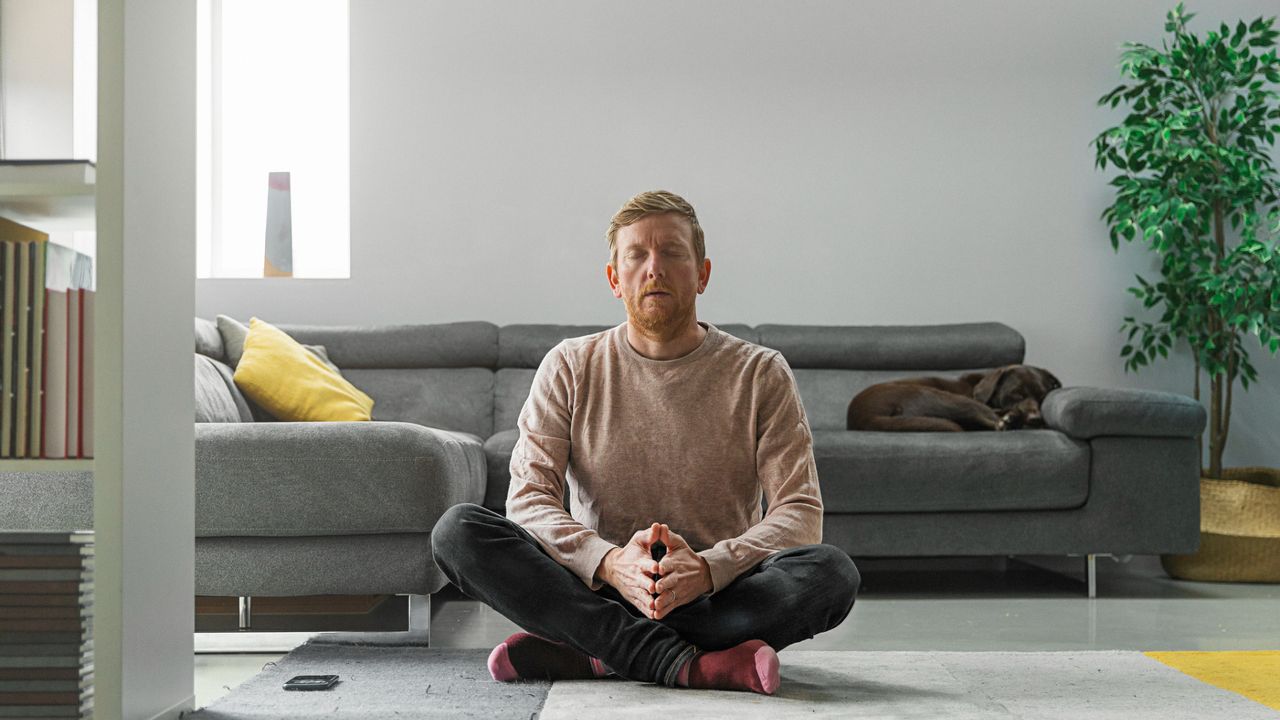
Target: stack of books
point(46, 624)
point(46, 346)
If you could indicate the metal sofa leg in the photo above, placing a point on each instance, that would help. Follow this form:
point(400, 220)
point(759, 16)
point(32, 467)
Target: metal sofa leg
point(420, 615)
point(1091, 570)
point(246, 612)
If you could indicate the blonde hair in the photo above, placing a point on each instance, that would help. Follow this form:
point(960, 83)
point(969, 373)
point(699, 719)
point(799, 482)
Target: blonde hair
point(654, 202)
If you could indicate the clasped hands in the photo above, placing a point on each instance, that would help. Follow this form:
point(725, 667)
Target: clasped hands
point(682, 575)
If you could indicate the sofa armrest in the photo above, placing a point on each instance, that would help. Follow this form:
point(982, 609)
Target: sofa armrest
point(329, 478)
point(1087, 412)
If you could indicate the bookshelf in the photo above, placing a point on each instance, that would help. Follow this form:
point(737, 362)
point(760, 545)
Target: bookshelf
point(49, 195)
point(56, 197)
point(26, 465)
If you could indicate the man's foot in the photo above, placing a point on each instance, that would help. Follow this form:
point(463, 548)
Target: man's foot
point(753, 666)
point(529, 657)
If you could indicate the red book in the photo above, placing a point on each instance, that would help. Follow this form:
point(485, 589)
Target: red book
point(73, 373)
point(54, 399)
point(86, 373)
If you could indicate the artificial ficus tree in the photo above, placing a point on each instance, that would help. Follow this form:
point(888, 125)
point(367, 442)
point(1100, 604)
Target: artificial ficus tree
point(1196, 152)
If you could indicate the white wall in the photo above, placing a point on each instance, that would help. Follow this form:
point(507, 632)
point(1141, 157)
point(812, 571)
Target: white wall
point(36, 57)
point(85, 81)
point(852, 163)
point(144, 514)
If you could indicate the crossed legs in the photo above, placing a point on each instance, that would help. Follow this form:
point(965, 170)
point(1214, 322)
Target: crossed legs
point(790, 596)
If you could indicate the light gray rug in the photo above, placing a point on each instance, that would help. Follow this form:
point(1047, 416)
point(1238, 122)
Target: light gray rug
point(409, 682)
point(953, 685)
point(379, 682)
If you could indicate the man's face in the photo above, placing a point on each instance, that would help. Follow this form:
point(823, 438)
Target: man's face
point(658, 275)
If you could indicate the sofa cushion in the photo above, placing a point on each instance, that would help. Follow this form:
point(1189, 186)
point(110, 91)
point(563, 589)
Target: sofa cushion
point(292, 383)
point(883, 472)
point(217, 397)
point(234, 333)
point(1086, 412)
point(318, 478)
point(740, 331)
point(524, 346)
point(379, 564)
point(918, 347)
point(510, 391)
point(209, 340)
point(448, 398)
point(497, 454)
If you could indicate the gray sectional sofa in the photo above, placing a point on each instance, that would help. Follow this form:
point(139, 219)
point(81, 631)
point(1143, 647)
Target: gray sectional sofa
point(348, 508)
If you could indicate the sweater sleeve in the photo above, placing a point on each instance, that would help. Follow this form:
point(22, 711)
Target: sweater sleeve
point(788, 476)
point(535, 498)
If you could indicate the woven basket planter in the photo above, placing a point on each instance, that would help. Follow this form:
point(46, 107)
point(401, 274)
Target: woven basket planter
point(1239, 530)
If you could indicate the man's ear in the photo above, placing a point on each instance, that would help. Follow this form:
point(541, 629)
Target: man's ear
point(611, 274)
point(987, 386)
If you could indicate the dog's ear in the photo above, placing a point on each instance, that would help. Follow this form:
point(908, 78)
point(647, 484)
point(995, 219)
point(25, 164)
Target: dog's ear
point(987, 386)
point(1048, 381)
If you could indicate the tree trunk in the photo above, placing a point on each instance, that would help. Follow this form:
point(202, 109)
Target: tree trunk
point(1217, 424)
point(1232, 369)
point(1215, 427)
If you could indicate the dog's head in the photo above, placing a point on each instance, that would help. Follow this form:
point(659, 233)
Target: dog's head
point(1017, 386)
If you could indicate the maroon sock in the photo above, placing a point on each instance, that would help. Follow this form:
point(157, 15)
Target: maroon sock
point(753, 666)
point(528, 657)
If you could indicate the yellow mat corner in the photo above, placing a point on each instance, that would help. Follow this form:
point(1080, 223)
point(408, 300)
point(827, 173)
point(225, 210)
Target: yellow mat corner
point(1254, 674)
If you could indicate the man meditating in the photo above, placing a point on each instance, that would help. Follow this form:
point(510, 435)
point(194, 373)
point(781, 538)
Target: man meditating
point(663, 430)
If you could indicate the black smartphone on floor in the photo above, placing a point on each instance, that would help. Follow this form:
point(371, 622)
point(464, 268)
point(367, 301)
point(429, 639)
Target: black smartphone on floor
point(311, 682)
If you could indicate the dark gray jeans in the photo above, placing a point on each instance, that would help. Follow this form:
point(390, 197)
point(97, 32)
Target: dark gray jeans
point(790, 596)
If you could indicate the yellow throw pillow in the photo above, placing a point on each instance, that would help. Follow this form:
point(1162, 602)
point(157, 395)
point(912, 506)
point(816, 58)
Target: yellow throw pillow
point(291, 383)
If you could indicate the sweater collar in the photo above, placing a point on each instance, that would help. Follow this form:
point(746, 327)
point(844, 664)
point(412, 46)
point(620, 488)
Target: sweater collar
point(709, 342)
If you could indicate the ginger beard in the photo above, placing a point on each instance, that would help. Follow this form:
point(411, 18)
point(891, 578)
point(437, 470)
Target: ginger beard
point(660, 317)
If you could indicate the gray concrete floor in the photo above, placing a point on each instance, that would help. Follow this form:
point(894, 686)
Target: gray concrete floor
point(934, 604)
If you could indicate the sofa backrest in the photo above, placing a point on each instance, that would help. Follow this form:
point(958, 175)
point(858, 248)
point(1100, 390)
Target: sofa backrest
point(521, 349)
point(834, 363)
point(436, 375)
point(831, 363)
point(475, 376)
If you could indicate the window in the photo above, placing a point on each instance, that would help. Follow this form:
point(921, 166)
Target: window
point(273, 97)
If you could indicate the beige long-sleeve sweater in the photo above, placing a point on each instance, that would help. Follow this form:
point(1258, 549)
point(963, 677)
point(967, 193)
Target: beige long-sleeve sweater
point(691, 442)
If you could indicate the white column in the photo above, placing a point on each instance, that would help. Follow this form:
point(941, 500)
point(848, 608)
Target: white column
point(144, 470)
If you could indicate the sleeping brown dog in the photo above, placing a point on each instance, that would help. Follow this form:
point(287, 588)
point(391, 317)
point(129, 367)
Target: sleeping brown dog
point(1006, 398)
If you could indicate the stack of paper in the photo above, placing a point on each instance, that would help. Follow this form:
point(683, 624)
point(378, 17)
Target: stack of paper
point(46, 624)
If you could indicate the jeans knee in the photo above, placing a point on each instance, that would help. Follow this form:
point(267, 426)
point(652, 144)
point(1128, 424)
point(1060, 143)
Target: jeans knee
point(852, 575)
point(451, 532)
point(841, 572)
